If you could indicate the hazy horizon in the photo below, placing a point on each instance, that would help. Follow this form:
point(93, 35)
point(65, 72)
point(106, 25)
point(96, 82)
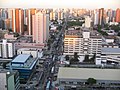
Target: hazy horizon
point(88, 4)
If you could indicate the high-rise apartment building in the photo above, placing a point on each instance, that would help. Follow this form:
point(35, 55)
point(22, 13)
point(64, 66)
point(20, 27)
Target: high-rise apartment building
point(109, 14)
point(96, 15)
point(6, 49)
point(101, 16)
point(87, 22)
point(118, 15)
point(40, 27)
point(52, 15)
point(18, 21)
point(30, 12)
point(60, 15)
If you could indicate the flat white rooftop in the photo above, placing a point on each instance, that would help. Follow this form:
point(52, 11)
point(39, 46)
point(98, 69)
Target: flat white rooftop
point(85, 73)
point(21, 58)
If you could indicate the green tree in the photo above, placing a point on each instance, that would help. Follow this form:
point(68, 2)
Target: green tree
point(4, 64)
point(91, 81)
point(67, 57)
point(16, 35)
point(115, 27)
point(59, 27)
point(10, 30)
point(106, 26)
point(74, 23)
point(119, 34)
point(93, 58)
point(72, 60)
point(86, 59)
point(76, 57)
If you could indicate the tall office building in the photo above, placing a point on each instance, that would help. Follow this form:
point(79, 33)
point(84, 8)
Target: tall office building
point(118, 15)
point(40, 28)
point(9, 80)
point(101, 16)
point(18, 21)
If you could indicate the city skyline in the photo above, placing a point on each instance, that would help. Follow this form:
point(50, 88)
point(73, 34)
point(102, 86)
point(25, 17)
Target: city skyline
point(91, 4)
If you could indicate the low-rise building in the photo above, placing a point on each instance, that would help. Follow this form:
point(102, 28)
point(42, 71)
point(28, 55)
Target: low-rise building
point(84, 42)
point(32, 51)
point(25, 64)
point(109, 54)
point(10, 36)
point(77, 77)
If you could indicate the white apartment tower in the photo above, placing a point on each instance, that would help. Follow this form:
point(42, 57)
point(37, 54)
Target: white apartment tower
point(87, 22)
point(96, 18)
point(40, 27)
point(6, 49)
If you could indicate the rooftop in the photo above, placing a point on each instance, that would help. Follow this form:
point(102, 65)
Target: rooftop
point(108, 50)
point(22, 58)
point(85, 73)
point(79, 33)
point(7, 71)
point(23, 61)
point(109, 37)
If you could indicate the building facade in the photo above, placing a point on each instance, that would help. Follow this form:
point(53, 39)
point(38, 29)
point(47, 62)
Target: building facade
point(25, 64)
point(18, 21)
point(6, 49)
point(101, 16)
point(84, 43)
point(87, 22)
point(77, 78)
point(30, 12)
point(9, 80)
point(118, 15)
point(40, 27)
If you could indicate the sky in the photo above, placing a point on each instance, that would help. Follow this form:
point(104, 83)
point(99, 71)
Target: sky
point(89, 4)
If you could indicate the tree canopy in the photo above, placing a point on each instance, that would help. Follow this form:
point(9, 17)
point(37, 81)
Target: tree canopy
point(91, 81)
point(67, 57)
